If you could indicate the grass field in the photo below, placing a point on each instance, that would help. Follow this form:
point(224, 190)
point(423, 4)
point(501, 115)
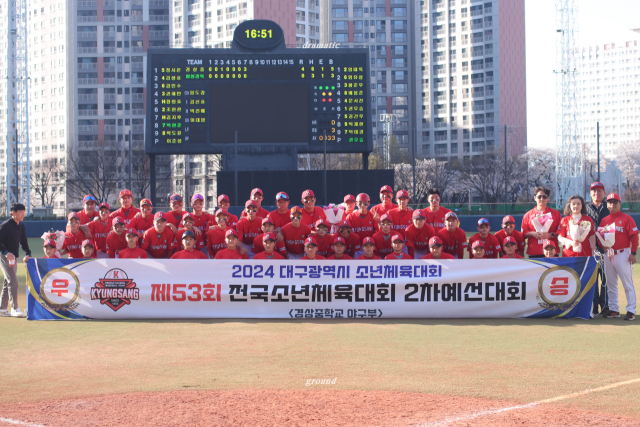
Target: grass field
point(516, 360)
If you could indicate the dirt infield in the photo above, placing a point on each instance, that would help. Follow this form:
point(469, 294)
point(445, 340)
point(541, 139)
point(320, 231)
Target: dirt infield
point(295, 408)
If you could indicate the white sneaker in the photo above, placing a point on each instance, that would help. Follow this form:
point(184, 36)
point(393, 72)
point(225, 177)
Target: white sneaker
point(4, 313)
point(16, 312)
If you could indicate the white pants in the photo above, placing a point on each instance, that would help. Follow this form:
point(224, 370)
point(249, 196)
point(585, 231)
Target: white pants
point(418, 254)
point(295, 256)
point(101, 254)
point(620, 267)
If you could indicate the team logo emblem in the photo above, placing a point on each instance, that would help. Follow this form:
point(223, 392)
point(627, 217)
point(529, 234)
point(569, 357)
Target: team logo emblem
point(60, 289)
point(115, 290)
point(558, 288)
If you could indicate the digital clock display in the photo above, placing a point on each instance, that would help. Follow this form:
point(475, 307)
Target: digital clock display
point(197, 99)
point(258, 34)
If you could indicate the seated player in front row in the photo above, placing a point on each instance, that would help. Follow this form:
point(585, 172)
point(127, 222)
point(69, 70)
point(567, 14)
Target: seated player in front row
point(311, 250)
point(88, 249)
point(397, 242)
point(294, 234)
point(382, 238)
point(490, 243)
point(50, 249)
point(418, 235)
point(510, 246)
point(436, 250)
point(159, 241)
point(268, 245)
point(477, 250)
point(549, 248)
point(216, 240)
point(188, 221)
point(324, 240)
point(116, 240)
point(339, 248)
point(258, 243)
point(231, 251)
point(368, 246)
point(190, 251)
point(132, 251)
point(454, 239)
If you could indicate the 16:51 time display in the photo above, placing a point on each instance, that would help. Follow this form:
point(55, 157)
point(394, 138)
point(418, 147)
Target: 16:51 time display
point(259, 34)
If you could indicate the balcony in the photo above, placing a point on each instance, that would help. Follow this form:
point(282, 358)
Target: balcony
point(488, 10)
point(158, 33)
point(438, 19)
point(87, 34)
point(478, 94)
point(109, 65)
point(441, 125)
point(110, 81)
point(110, 112)
point(89, 66)
point(477, 80)
point(137, 96)
point(243, 12)
point(197, 171)
point(465, 55)
point(476, 27)
point(109, 128)
point(87, 19)
point(488, 38)
point(108, 33)
point(87, 81)
point(87, 3)
point(109, 97)
point(464, 14)
point(488, 93)
point(157, 2)
point(137, 128)
point(137, 49)
point(87, 112)
point(477, 135)
point(452, 57)
point(476, 12)
point(490, 134)
point(109, 3)
point(136, 2)
point(438, 32)
point(87, 50)
point(232, 15)
point(136, 66)
point(489, 107)
point(465, 68)
point(478, 67)
point(137, 112)
point(193, 7)
point(488, 52)
point(476, 40)
point(109, 18)
point(478, 108)
point(439, 45)
point(111, 49)
point(489, 79)
point(478, 122)
point(465, 95)
point(87, 97)
point(157, 18)
point(137, 33)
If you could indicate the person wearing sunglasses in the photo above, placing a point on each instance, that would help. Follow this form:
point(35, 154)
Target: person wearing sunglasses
point(223, 203)
point(126, 211)
point(87, 215)
point(324, 241)
point(386, 197)
point(534, 238)
point(281, 216)
point(363, 222)
point(143, 220)
point(352, 241)
point(490, 244)
point(295, 234)
point(174, 216)
point(310, 212)
point(257, 196)
point(438, 213)
point(249, 227)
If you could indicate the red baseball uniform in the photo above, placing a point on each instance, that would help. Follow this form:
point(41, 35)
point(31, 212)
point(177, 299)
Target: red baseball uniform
point(73, 244)
point(294, 238)
point(116, 243)
point(363, 226)
point(394, 257)
point(227, 253)
point(443, 255)
point(192, 254)
point(626, 231)
point(516, 256)
point(127, 215)
point(324, 245)
point(174, 218)
point(142, 224)
point(86, 219)
point(491, 246)
point(418, 238)
point(381, 209)
point(534, 246)
point(383, 244)
point(521, 242)
point(216, 241)
point(201, 223)
point(100, 230)
point(436, 219)
point(309, 218)
point(453, 243)
point(258, 246)
point(343, 257)
point(317, 257)
point(279, 220)
point(136, 252)
point(400, 219)
point(158, 245)
point(232, 220)
point(567, 249)
point(200, 244)
point(261, 214)
point(272, 255)
point(364, 257)
point(248, 230)
point(353, 243)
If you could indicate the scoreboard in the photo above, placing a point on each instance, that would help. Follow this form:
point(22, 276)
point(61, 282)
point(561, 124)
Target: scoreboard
point(197, 99)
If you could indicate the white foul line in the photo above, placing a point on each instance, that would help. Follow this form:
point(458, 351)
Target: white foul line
point(19, 423)
point(530, 405)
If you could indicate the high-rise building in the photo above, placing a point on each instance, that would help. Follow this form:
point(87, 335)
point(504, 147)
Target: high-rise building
point(609, 88)
point(452, 72)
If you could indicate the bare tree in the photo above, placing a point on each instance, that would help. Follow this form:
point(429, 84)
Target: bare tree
point(628, 161)
point(141, 173)
point(97, 171)
point(335, 161)
point(485, 176)
point(47, 182)
point(541, 169)
point(430, 173)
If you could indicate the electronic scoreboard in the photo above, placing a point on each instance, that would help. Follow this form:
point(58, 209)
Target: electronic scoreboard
point(197, 99)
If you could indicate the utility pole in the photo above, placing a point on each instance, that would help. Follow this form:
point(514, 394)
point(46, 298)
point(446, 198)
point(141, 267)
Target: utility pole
point(325, 167)
point(598, 145)
point(506, 197)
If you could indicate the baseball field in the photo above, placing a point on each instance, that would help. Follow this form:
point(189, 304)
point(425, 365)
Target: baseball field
point(392, 372)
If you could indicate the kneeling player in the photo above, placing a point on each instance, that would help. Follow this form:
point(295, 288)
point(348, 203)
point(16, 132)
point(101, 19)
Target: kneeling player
point(549, 247)
point(116, 240)
point(190, 251)
point(87, 249)
point(435, 250)
point(188, 221)
point(132, 251)
point(368, 246)
point(339, 247)
point(477, 249)
point(397, 242)
point(510, 246)
point(231, 252)
point(268, 244)
point(159, 241)
point(311, 250)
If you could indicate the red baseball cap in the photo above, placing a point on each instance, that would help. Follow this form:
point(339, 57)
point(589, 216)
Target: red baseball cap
point(175, 198)
point(89, 198)
point(402, 193)
point(507, 219)
point(269, 236)
point(450, 215)
point(229, 232)
point(321, 222)
point(418, 214)
point(296, 209)
point(282, 196)
point(386, 188)
point(477, 243)
point(549, 243)
point(367, 240)
point(349, 197)
point(308, 193)
point(363, 197)
point(509, 239)
point(223, 197)
point(385, 216)
point(87, 242)
point(397, 237)
point(125, 192)
point(250, 203)
point(311, 241)
point(614, 196)
point(158, 216)
point(104, 205)
point(267, 220)
point(256, 190)
point(73, 215)
point(49, 242)
point(119, 220)
point(221, 211)
point(596, 185)
point(343, 223)
point(145, 202)
point(435, 240)
point(132, 231)
point(339, 239)
point(187, 215)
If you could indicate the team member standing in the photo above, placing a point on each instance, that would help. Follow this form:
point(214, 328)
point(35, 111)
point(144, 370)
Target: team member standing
point(382, 238)
point(509, 230)
point(216, 240)
point(188, 222)
point(12, 235)
point(311, 250)
point(454, 239)
point(257, 196)
point(100, 230)
point(281, 216)
point(436, 250)
point(510, 246)
point(117, 239)
point(597, 210)
point(258, 246)
point(619, 259)
point(535, 239)
point(127, 211)
point(144, 219)
point(352, 240)
point(295, 234)
point(88, 213)
point(249, 227)
point(174, 216)
point(231, 251)
point(350, 202)
point(403, 214)
point(437, 219)
point(323, 240)
point(418, 235)
point(200, 220)
point(339, 247)
point(311, 213)
point(368, 248)
point(576, 213)
point(73, 238)
point(386, 197)
point(159, 240)
point(132, 251)
point(268, 244)
point(491, 245)
point(223, 203)
point(363, 222)
point(397, 241)
point(189, 244)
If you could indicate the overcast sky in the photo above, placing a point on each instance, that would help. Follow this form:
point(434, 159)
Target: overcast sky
point(598, 22)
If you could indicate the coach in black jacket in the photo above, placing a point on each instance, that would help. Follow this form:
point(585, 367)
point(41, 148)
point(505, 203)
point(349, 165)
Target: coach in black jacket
point(12, 234)
point(597, 210)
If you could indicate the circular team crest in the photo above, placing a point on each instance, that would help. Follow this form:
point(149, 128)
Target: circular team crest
point(559, 287)
point(60, 288)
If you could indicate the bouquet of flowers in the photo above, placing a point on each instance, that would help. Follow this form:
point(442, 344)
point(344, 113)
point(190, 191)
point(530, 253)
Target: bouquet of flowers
point(578, 230)
point(607, 235)
point(335, 214)
point(542, 222)
point(58, 236)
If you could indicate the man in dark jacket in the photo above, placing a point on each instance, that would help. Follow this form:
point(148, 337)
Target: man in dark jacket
point(597, 210)
point(12, 235)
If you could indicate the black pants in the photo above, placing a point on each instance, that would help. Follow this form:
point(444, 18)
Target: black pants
point(600, 297)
